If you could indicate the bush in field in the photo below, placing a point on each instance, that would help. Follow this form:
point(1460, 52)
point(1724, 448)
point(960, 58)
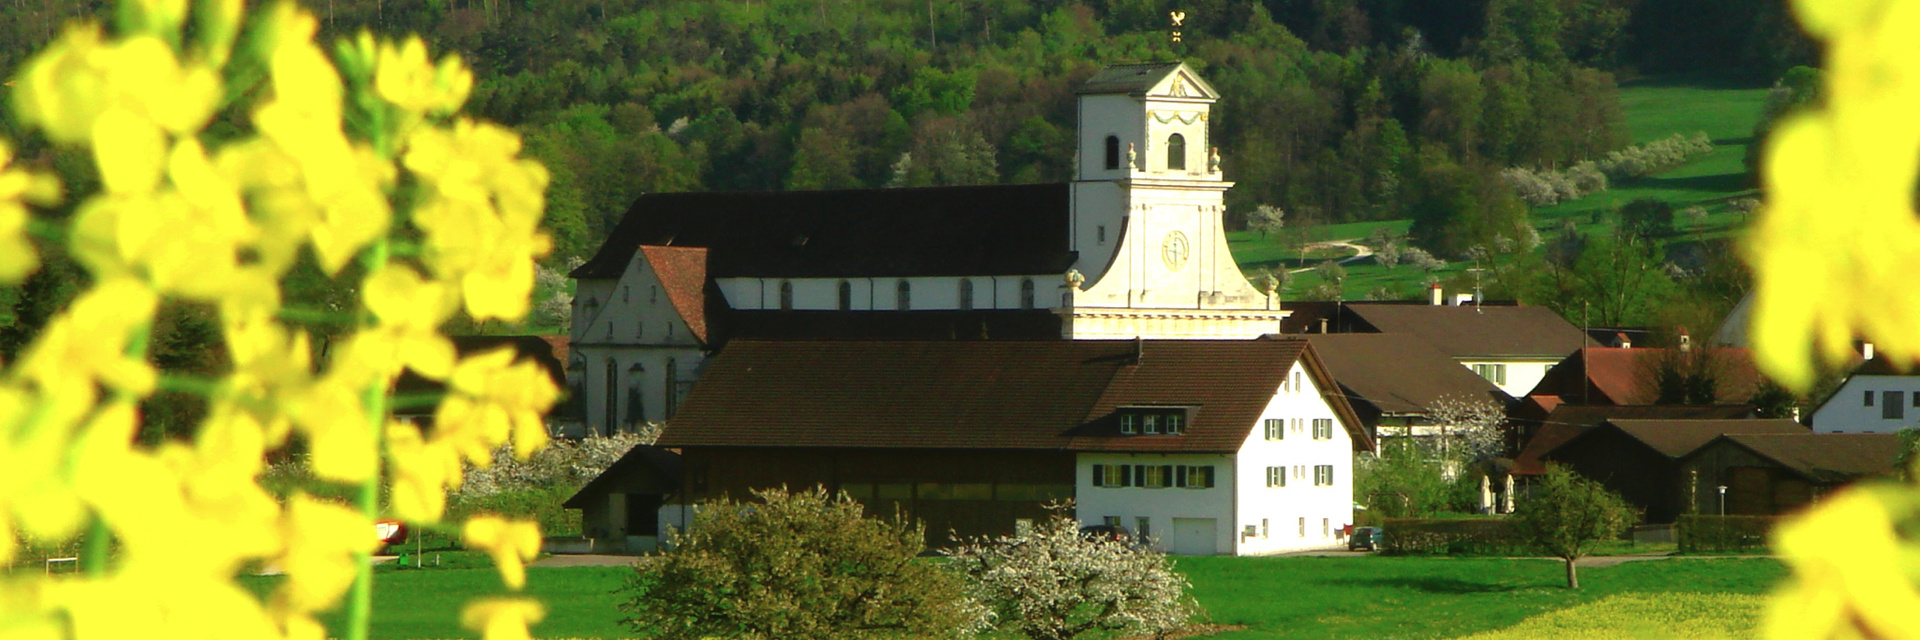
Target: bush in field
point(1654, 157)
point(1266, 219)
point(564, 463)
point(1418, 258)
point(1647, 218)
point(1052, 583)
point(796, 566)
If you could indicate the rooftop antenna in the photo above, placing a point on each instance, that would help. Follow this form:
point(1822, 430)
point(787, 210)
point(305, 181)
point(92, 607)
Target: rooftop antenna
point(1476, 271)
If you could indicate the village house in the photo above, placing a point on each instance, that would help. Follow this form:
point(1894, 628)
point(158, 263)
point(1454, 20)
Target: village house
point(1878, 397)
point(1641, 459)
point(1511, 345)
point(1775, 474)
point(1394, 380)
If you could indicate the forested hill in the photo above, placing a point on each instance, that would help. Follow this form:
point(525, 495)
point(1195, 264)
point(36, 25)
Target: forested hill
point(1335, 110)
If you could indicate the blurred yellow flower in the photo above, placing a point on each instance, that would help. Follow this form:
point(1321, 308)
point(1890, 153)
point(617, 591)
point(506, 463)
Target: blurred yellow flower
point(1861, 587)
point(423, 472)
point(494, 399)
point(342, 443)
point(411, 309)
point(88, 344)
point(405, 77)
point(322, 539)
point(481, 215)
point(510, 543)
point(19, 187)
point(502, 618)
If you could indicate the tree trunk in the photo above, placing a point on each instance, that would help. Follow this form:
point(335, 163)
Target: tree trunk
point(1573, 579)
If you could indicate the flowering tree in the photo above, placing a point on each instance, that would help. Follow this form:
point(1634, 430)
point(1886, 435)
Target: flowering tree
point(1567, 516)
point(1469, 429)
point(1054, 584)
point(367, 168)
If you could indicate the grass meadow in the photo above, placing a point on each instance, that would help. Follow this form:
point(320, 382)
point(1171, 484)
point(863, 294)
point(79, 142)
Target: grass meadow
point(1654, 108)
point(1294, 597)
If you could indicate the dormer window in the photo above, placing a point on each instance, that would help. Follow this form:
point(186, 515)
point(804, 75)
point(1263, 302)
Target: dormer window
point(1176, 152)
point(1153, 420)
point(846, 296)
point(903, 295)
point(1113, 153)
point(786, 296)
point(1026, 294)
point(966, 294)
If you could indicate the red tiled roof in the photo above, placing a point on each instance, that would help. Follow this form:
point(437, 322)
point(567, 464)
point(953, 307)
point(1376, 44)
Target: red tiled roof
point(1051, 394)
point(561, 345)
point(683, 274)
point(1625, 376)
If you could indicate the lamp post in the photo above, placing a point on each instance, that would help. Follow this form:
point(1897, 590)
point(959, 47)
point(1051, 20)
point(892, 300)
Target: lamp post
point(1723, 499)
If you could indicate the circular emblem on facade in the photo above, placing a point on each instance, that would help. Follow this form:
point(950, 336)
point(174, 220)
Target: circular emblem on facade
point(1173, 250)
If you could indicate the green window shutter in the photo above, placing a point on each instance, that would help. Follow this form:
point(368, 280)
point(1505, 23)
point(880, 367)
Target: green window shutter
point(1206, 476)
point(1099, 475)
point(1180, 475)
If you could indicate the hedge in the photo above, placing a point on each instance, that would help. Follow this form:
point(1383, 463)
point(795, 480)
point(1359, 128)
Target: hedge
point(1705, 533)
point(542, 505)
point(1458, 536)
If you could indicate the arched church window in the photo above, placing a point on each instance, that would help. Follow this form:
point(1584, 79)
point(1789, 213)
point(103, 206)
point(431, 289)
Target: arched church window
point(636, 403)
point(1176, 152)
point(786, 296)
point(966, 294)
point(846, 296)
point(612, 414)
point(903, 295)
point(1026, 294)
point(673, 374)
point(1113, 152)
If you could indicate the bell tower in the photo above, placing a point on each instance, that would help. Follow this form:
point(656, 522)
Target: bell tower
point(1148, 203)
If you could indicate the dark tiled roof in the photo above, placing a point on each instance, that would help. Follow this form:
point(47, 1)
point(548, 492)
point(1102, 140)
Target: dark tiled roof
point(1626, 376)
point(1000, 394)
point(683, 274)
point(643, 467)
point(1569, 421)
point(1399, 373)
point(1827, 458)
point(1478, 331)
point(1127, 78)
point(1676, 438)
point(933, 231)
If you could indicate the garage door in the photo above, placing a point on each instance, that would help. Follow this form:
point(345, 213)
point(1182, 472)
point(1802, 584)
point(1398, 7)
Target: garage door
point(1194, 537)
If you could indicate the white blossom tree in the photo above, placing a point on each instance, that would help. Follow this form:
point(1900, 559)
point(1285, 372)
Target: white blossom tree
point(1052, 583)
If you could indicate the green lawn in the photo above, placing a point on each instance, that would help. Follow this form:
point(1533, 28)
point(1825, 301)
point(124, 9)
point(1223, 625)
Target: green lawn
point(1370, 597)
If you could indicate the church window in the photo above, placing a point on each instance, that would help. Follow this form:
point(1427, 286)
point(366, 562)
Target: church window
point(1102, 231)
point(846, 296)
point(653, 295)
point(903, 295)
point(673, 373)
point(966, 294)
point(1113, 152)
point(623, 294)
point(786, 296)
point(613, 397)
point(1176, 152)
point(639, 330)
point(1026, 294)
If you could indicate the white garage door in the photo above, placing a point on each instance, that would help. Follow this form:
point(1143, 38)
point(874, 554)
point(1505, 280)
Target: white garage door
point(1194, 537)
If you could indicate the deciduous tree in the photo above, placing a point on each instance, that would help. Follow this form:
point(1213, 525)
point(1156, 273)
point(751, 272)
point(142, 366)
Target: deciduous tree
point(1052, 583)
point(1567, 516)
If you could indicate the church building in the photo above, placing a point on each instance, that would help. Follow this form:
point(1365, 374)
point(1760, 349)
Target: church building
point(1134, 247)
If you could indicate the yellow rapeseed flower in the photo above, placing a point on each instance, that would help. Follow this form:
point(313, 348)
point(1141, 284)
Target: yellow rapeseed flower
point(494, 399)
point(1861, 587)
point(422, 471)
point(19, 187)
point(510, 543)
point(341, 440)
point(322, 539)
point(481, 214)
point(405, 77)
point(502, 618)
point(88, 344)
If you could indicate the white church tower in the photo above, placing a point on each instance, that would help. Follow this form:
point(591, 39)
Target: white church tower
point(1147, 216)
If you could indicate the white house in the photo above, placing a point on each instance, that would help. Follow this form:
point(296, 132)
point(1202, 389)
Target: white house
point(1203, 446)
point(1134, 247)
point(1876, 398)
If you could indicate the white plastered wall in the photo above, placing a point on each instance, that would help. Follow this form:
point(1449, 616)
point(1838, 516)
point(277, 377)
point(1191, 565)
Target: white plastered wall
point(1276, 514)
point(883, 294)
point(630, 325)
point(1160, 505)
point(1847, 411)
point(1522, 375)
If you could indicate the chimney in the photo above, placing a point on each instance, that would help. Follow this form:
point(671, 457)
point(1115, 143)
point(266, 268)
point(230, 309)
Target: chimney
point(1686, 341)
point(1866, 351)
point(1621, 340)
point(1439, 297)
point(1323, 325)
point(1139, 349)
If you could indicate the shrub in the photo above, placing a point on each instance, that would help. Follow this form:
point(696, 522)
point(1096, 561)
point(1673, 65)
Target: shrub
point(1418, 258)
point(1709, 533)
point(1052, 583)
point(796, 566)
point(1458, 536)
point(563, 463)
point(1567, 515)
point(1655, 157)
point(542, 504)
point(1647, 218)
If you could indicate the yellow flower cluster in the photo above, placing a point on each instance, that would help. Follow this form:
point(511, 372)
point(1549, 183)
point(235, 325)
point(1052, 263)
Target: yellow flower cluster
point(1840, 220)
point(222, 224)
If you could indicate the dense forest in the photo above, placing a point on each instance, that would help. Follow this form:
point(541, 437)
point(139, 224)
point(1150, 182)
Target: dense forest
point(1333, 110)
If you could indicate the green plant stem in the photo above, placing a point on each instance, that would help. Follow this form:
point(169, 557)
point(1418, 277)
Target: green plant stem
point(93, 556)
point(360, 598)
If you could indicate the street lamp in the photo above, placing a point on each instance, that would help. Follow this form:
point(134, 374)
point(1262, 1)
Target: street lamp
point(1723, 499)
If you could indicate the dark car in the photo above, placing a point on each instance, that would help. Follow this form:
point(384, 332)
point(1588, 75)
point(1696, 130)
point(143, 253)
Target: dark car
point(1112, 532)
point(1369, 538)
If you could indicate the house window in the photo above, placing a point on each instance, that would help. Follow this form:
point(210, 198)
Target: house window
point(903, 295)
point(1895, 406)
point(1175, 424)
point(1303, 527)
point(1129, 423)
point(1869, 399)
point(1101, 231)
point(1152, 476)
point(1263, 527)
point(1276, 476)
point(1916, 399)
point(1026, 294)
point(1296, 383)
point(1152, 424)
point(613, 397)
point(846, 296)
point(1326, 528)
point(1111, 521)
point(966, 294)
point(1113, 152)
point(1323, 428)
point(1193, 476)
point(1176, 152)
point(1142, 527)
point(1276, 429)
point(786, 296)
point(1112, 475)
point(1323, 475)
point(1494, 373)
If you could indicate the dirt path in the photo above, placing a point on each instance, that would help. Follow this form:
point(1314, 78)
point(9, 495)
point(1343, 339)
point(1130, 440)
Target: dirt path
point(584, 560)
point(1359, 251)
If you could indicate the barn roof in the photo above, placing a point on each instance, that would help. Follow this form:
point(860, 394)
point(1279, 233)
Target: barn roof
point(1000, 394)
point(1399, 373)
point(1826, 458)
point(1470, 331)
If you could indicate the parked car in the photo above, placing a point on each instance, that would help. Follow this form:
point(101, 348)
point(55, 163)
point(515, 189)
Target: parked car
point(1369, 538)
point(1112, 532)
point(389, 532)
